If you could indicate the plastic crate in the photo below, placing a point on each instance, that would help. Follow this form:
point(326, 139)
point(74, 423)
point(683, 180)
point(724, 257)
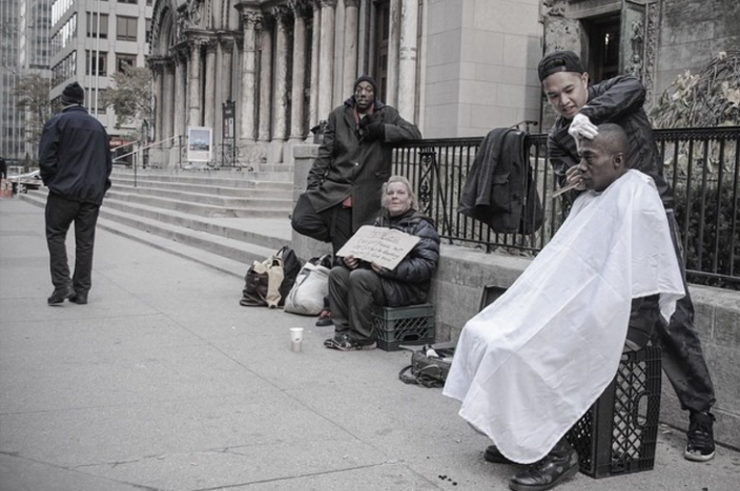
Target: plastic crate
point(617, 435)
point(396, 326)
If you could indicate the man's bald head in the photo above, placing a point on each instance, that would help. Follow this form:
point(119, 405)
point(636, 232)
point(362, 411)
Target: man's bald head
point(603, 158)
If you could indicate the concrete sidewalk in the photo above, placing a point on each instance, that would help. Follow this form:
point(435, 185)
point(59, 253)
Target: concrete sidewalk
point(163, 382)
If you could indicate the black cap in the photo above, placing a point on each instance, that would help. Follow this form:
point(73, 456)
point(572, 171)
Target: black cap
point(368, 79)
point(73, 94)
point(559, 61)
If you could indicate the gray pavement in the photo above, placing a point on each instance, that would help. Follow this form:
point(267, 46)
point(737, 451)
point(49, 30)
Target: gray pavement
point(163, 382)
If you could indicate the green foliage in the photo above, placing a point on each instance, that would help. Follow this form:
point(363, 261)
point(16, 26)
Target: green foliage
point(33, 95)
point(130, 96)
point(716, 241)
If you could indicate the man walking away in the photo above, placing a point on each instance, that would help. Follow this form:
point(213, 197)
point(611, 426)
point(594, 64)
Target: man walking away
point(75, 164)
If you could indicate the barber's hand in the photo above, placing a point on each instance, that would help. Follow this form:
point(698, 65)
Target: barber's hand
point(574, 176)
point(378, 268)
point(583, 127)
point(351, 262)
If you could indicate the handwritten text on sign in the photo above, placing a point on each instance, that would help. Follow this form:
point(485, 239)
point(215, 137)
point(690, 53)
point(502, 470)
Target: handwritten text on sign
point(384, 246)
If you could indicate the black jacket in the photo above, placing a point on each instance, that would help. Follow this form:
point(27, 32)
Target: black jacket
point(351, 165)
point(74, 156)
point(410, 281)
point(499, 190)
point(617, 100)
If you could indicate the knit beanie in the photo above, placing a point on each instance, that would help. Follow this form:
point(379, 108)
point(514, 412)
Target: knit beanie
point(73, 94)
point(368, 79)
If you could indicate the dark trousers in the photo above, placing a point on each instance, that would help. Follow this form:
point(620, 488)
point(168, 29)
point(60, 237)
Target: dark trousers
point(352, 294)
point(60, 213)
point(333, 225)
point(682, 357)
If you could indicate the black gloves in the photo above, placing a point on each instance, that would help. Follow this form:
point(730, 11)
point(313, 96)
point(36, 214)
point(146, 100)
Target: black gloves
point(371, 128)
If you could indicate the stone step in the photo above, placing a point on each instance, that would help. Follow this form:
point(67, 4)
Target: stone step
point(201, 209)
point(224, 252)
point(219, 177)
point(247, 200)
point(224, 188)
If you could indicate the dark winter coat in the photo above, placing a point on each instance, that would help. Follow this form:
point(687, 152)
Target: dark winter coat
point(349, 165)
point(74, 156)
point(617, 100)
point(410, 281)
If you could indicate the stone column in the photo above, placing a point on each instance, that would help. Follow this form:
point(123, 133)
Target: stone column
point(158, 72)
point(391, 96)
point(179, 102)
point(251, 19)
point(313, 111)
point(209, 103)
point(326, 57)
point(265, 80)
point(280, 99)
point(166, 106)
point(350, 45)
point(194, 90)
point(407, 60)
point(297, 131)
point(362, 32)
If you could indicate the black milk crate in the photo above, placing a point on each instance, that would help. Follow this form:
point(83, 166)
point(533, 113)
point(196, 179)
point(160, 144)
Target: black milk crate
point(396, 326)
point(617, 435)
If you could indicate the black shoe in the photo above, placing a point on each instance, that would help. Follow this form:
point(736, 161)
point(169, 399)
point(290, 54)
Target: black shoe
point(79, 299)
point(493, 454)
point(557, 466)
point(700, 446)
point(60, 295)
point(324, 319)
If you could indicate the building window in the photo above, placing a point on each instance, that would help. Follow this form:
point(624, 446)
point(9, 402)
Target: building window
point(383, 10)
point(128, 1)
point(91, 65)
point(126, 28)
point(121, 60)
point(92, 25)
point(148, 30)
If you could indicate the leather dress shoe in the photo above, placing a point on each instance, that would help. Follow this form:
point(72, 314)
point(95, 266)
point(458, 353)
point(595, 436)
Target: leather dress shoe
point(557, 466)
point(494, 455)
point(60, 295)
point(79, 299)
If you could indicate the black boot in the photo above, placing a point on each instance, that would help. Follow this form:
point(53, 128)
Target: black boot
point(60, 295)
point(557, 466)
point(493, 454)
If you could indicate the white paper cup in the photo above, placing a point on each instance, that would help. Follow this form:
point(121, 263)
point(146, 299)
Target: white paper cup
point(296, 339)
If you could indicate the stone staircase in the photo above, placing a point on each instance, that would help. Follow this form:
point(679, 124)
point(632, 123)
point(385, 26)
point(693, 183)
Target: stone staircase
point(224, 219)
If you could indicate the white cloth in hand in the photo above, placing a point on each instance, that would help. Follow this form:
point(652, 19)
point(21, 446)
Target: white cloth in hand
point(583, 127)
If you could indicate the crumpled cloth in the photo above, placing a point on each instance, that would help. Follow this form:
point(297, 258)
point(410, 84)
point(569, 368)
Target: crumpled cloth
point(528, 366)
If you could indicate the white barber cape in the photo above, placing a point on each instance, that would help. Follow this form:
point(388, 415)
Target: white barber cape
point(528, 366)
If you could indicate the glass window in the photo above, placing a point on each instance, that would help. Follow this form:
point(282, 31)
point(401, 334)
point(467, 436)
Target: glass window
point(91, 65)
point(121, 60)
point(92, 25)
point(126, 28)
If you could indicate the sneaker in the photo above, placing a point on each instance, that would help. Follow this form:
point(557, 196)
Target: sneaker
point(324, 319)
point(557, 466)
point(343, 342)
point(700, 446)
point(494, 455)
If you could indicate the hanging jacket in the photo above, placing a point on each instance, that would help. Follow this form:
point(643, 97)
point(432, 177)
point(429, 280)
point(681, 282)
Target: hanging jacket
point(410, 281)
point(499, 190)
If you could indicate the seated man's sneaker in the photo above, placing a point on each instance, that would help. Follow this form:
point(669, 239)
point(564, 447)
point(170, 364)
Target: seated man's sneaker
point(344, 342)
point(60, 295)
point(494, 455)
point(557, 466)
point(324, 318)
point(700, 446)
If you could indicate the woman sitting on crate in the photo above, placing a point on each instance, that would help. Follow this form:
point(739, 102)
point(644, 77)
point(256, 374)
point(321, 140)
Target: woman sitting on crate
point(356, 286)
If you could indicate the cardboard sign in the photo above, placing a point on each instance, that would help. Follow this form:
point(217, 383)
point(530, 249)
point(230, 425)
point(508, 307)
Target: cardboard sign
point(383, 246)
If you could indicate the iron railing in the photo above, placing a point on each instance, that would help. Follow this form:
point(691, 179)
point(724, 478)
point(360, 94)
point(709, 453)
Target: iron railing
point(701, 164)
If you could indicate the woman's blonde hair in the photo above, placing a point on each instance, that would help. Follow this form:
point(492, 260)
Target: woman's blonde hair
point(405, 182)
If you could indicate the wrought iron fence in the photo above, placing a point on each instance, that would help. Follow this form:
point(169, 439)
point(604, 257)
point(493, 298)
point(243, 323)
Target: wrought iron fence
point(702, 165)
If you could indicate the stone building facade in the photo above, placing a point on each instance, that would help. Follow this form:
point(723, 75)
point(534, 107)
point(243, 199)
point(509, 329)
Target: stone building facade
point(455, 67)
